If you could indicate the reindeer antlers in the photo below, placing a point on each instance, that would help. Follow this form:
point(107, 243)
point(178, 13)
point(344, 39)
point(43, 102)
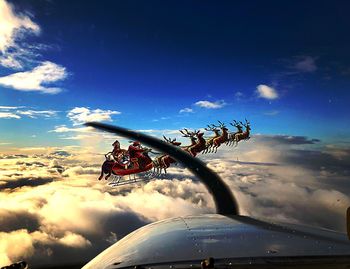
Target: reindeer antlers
point(246, 123)
point(211, 128)
point(169, 140)
point(221, 125)
point(236, 124)
point(186, 133)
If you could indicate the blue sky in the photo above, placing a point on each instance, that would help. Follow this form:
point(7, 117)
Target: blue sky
point(138, 64)
point(156, 67)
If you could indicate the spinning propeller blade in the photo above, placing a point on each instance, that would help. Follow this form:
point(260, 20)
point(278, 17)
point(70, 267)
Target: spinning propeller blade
point(348, 222)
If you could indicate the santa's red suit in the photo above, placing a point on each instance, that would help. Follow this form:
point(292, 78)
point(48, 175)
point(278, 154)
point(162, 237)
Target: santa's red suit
point(136, 154)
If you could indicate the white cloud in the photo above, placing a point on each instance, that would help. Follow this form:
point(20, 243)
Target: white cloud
point(20, 239)
point(306, 64)
point(17, 53)
point(18, 56)
point(10, 61)
point(266, 92)
point(159, 132)
point(13, 28)
point(37, 113)
point(8, 115)
point(211, 105)
point(65, 129)
point(53, 210)
point(186, 110)
point(80, 115)
point(77, 137)
point(9, 107)
point(84, 134)
point(8, 112)
point(36, 79)
point(74, 240)
point(239, 95)
point(271, 113)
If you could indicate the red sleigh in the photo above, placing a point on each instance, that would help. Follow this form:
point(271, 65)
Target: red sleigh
point(124, 165)
point(120, 162)
point(136, 166)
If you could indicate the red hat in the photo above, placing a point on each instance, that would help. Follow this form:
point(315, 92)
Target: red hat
point(136, 143)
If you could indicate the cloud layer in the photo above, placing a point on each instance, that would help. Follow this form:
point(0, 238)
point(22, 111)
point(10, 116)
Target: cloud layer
point(54, 205)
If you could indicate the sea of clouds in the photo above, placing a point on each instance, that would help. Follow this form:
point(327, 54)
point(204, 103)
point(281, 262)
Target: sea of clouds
point(53, 209)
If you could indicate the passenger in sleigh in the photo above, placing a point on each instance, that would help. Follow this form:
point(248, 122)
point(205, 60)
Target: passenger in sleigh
point(120, 155)
point(137, 157)
point(117, 150)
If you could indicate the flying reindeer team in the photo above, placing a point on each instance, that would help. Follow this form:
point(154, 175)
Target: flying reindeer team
point(136, 159)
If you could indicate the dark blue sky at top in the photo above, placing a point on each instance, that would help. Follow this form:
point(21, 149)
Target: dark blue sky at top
point(149, 59)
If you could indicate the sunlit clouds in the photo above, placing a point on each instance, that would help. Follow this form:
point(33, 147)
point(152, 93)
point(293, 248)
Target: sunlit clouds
point(19, 112)
point(72, 209)
point(36, 79)
point(210, 105)
point(9, 115)
point(7, 108)
point(52, 199)
point(266, 92)
point(38, 113)
point(78, 133)
point(16, 53)
point(60, 69)
point(13, 28)
point(186, 110)
point(80, 115)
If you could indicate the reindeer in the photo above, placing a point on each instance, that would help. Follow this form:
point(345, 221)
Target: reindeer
point(222, 138)
point(210, 141)
point(164, 161)
point(244, 135)
point(231, 136)
point(192, 136)
point(107, 166)
point(200, 144)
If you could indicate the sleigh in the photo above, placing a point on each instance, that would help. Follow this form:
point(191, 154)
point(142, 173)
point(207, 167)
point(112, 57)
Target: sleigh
point(135, 165)
point(132, 172)
point(120, 170)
